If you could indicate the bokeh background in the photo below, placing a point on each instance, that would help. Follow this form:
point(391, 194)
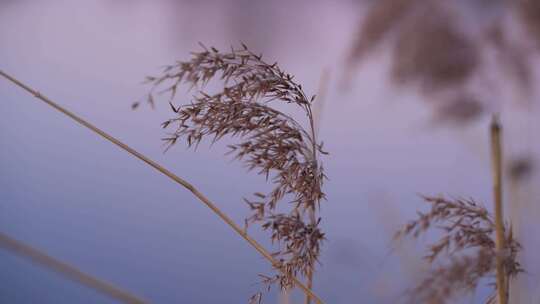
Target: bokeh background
point(80, 199)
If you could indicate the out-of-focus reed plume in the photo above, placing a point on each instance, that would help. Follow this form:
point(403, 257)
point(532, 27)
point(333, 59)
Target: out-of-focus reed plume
point(273, 143)
point(444, 46)
point(431, 50)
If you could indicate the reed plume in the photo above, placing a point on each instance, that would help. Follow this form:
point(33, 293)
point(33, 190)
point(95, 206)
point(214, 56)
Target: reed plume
point(477, 243)
point(270, 141)
point(468, 243)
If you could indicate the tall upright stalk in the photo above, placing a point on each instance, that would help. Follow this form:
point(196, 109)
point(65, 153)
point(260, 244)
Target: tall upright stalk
point(496, 156)
point(172, 176)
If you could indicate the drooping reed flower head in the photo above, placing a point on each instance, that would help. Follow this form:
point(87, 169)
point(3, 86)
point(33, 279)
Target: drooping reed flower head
point(468, 244)
point(270, 141)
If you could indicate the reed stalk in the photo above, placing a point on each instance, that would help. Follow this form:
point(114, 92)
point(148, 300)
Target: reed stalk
point(496, 155)
point(202, 198)
point(67, 270)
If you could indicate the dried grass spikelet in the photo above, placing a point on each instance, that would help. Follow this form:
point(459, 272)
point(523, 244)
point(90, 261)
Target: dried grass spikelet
point(468, 243)
point(303, 241)
point(431, 50)
point(271, 142)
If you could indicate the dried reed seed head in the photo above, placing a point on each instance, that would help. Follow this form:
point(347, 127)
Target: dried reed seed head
point(271, 142)
point(467, 240)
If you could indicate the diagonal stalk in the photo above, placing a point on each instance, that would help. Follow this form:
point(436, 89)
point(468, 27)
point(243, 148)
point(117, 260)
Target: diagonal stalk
point(67, 270)
point(170, 175)
point(496, 155)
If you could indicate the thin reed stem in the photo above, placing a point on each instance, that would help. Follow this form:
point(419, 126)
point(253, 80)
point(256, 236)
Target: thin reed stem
point(170, 175)
point(67, 270)
point(315, 120)
point(496, 155)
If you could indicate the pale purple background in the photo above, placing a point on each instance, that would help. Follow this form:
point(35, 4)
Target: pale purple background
point(80, 199)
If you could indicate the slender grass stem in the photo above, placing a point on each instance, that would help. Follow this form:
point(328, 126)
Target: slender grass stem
point(496, 155)
point(315, 121)
point(170, 175)
point(67, 270)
